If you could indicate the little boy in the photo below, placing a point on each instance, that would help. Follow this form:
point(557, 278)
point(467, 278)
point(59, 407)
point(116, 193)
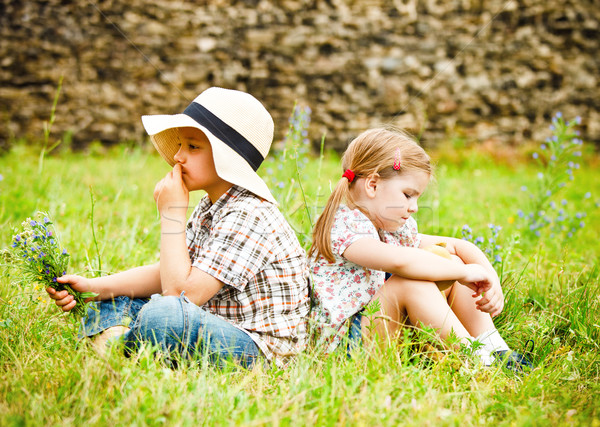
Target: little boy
point(232, 283)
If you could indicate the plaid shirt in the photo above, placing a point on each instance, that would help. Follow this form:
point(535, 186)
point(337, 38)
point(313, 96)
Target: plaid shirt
point(245, 242)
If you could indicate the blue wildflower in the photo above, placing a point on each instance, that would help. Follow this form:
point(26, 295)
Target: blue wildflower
point(535, 155)
point(543, 146)
point(563, 202)
point(498, 258)
point(587, 195)
point(33, 223)
point(578, 120)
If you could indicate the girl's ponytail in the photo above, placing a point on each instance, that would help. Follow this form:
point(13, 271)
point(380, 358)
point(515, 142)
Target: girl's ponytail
point(322, 231)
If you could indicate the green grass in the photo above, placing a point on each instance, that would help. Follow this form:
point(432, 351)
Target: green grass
point(551, 285)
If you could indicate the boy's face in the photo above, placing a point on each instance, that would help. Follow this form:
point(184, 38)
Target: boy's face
point(197, 165)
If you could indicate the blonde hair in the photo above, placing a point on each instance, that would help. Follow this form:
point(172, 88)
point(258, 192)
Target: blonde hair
point(373, 151)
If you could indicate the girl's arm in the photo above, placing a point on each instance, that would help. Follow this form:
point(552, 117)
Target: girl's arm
point(493, 300)
point(417, 264)
point(467, 251)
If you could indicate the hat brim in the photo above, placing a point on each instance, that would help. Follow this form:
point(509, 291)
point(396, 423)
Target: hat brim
point(229, 165)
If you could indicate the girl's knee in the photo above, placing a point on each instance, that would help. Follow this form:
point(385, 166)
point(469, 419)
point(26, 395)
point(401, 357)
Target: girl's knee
point(410, 287)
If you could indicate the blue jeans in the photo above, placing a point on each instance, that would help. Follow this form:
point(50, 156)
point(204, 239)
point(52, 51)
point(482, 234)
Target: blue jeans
point(354, 333)
point(176, 326)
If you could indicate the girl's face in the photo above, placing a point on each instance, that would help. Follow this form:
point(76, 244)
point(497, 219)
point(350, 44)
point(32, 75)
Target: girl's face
point(197, 165)
point(394, 200)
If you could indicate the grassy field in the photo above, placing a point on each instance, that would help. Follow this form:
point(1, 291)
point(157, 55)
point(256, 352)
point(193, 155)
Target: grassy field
point(551, 285)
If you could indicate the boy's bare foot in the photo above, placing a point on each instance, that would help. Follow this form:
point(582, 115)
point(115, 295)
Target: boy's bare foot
point(99, 342)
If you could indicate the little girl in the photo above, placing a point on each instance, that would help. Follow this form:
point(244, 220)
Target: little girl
point(366, 230)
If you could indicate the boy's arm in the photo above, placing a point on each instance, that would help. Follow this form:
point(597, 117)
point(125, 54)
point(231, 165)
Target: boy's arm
point(417, 264)
point(176, 272)
point(493, 301)
point(139, 282)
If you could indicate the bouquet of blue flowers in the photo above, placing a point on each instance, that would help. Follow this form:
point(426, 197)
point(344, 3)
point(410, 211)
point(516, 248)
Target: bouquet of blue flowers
point(42, 260)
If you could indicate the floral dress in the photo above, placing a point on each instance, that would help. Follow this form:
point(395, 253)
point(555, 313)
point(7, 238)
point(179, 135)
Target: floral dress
point(342, 288)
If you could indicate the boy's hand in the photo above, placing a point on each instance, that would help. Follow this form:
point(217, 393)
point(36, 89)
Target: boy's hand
point(171, 194)
point(65, 300)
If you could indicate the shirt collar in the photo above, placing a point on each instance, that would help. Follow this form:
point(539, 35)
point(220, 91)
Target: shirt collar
point(205, 204)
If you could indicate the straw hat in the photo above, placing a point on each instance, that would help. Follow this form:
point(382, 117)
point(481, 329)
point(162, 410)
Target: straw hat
point(238, 126)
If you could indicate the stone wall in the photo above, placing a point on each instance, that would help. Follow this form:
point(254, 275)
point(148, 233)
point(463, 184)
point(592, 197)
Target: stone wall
point(486, 69)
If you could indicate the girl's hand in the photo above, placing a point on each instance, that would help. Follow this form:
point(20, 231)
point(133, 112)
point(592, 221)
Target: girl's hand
point(65, 300)
point(171, 193)
point(477, 278)
point(492, 301)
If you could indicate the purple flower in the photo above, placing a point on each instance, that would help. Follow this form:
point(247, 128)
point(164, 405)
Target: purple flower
point(498, 258)
point(33, 223)
point(578, 120)
point(535, 155)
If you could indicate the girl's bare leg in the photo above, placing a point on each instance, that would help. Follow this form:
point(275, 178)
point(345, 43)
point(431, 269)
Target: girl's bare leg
point(414, 302)
point(463, 306)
